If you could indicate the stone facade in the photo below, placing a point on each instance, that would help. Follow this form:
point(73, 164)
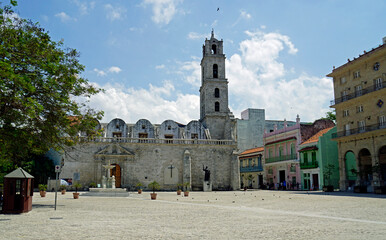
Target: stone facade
point(170, 153)
point(214, 110)
point(360, 104)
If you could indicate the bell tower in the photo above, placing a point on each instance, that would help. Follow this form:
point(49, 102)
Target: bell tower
point(214, 110)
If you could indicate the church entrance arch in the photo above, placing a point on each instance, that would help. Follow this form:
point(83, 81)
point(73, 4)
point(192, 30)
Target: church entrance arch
point(382, 163)
point(351, 168)
point(365, 167)
point(116, 172)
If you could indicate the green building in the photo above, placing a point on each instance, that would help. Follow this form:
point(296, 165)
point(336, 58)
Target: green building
point(317, 155)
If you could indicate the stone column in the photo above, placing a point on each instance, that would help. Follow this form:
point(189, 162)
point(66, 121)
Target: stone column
point(235, 171)
point(187, 168)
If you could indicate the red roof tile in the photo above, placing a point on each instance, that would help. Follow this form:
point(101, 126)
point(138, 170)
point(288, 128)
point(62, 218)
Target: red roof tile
point(252, 150)
point(315, 138)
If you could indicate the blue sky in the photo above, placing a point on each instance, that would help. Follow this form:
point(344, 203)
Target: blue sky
point(146, 54)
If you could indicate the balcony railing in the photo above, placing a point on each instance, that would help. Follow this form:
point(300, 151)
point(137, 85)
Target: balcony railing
point(281, 158)
point(363, 129)
point(157, 141)
point(358, 93)
point(251, 169)
point(307, 165)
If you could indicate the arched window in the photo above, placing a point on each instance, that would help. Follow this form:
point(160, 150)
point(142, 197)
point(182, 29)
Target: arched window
point(215, 71)
point(216, 93)
point(217, 107)
point(214, 49)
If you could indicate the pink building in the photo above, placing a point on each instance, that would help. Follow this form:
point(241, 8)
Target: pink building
point(281, 148)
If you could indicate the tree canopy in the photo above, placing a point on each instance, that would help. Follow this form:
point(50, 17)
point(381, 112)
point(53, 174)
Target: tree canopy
point(39, 82)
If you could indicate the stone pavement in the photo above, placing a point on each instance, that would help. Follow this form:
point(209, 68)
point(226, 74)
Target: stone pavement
point(215, 215)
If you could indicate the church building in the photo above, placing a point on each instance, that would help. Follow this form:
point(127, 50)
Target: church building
point(170, 153)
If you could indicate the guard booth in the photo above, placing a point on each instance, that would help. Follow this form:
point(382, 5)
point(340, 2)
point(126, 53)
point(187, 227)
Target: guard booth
point(18, 191)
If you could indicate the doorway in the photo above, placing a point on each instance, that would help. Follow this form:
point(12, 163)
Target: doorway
point(281, 176)
point(261, 181)
point(315, 181)
point(116, 171)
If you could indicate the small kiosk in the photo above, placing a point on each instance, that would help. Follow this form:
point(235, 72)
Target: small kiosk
point(18, 191)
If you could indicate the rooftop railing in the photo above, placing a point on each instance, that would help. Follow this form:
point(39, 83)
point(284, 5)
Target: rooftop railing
point(363, 129)
point(307, 165)
point(251, 169)
point(157, 141)
point(281, 158)
point(358, 93)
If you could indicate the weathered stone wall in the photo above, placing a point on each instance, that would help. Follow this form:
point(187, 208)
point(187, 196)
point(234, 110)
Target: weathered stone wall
point(143, 126)
point(148, 162)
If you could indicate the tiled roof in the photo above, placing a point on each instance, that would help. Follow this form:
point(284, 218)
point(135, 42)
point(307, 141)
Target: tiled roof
point(252, 150)
point(315, 138)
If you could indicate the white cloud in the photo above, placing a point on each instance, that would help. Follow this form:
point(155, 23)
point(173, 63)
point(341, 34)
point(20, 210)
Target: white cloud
point(84, 7)
point(194, 35)
point(114, 13)
point(64, 17)
point(257, 79)
point(162, 66)
point(132, 104)
point(163, 10)
point(191, 72)
point(99, 72)
point(114, 69)
point(245, 15)
point(214, 23)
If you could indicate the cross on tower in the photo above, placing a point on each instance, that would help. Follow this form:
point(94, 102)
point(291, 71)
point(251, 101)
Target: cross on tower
point(171, 170)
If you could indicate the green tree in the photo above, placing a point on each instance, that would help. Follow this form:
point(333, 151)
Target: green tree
point(40, 81)
point(331, 115)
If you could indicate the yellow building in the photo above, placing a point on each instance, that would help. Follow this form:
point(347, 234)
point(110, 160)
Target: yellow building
point(360, 104)
point(251, 168)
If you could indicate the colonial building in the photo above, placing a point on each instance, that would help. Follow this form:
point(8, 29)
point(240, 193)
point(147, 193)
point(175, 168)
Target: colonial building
point(170, 153)
point(360, 96)
point(281, 149)
point(251, 168)
point(319, 161)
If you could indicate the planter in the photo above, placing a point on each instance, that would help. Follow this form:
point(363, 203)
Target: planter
point(153, 196)
point(42, 193)
point(186, 194)
point(179, 192)
point(328, 188)
point(63, 191)
point(139, 191)
point(76, 195)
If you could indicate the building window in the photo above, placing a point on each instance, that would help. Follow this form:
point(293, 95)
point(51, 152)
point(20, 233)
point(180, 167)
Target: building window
point(361, 126)
point(215, 71)
point(378, 83)
point(216, 93)
point(169, 127)
point(342, 80)
point(344, 95)
point(214, 49)
point(347, 129)
point(346, 113)
point(259, 161)
point(217, 107)
point(143, 126)
point(117, 134)
point(194, 136)
point(18, 187)
point(357, 74)
point(250, 162)
point(313, 156)
point(358, 90)
point(359, 109)
point(305, 157)
point(382, 121)
point(292, 149)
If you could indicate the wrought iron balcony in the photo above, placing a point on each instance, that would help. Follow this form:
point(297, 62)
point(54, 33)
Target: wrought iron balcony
point(356, 94)
point(251, 169)
point(157, 141)
point(281, 158)
point(363, 129)
point(307, 165)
